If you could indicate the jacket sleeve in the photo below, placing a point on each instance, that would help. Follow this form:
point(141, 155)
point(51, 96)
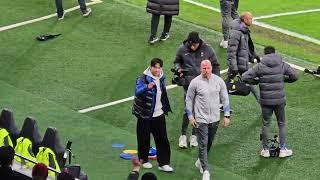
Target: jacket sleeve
point(178, 61)
point(290, 75)
point(251, 75)
point(214, 62)
point(191, 93)
point(224, 98)
point(232, 51)
point(141, 87)
point(134, 175)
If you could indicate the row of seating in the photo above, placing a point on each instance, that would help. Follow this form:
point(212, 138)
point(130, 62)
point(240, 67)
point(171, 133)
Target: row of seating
point(31, 131)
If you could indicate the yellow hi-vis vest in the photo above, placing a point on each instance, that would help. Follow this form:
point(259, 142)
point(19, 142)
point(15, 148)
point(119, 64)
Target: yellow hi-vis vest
point(5, 139)
point(24, 148)
point(48, 157)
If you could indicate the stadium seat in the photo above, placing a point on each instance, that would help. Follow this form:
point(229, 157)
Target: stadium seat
point(7, 121)
point(31, 131)
point(51, 140)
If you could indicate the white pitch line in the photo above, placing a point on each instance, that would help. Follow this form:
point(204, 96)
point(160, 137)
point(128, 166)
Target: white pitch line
point(287, 13)
point(268, 26)
point(4, 28)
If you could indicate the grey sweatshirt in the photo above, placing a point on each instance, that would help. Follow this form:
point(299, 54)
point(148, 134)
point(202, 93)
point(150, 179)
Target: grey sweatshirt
point(204, 97)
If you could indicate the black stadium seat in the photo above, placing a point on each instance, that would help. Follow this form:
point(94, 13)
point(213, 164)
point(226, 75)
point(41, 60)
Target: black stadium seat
point(7, 122)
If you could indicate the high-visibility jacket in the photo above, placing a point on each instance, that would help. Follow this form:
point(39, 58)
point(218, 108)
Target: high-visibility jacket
point(5, 139)
point(24, 148)
point(48, 157)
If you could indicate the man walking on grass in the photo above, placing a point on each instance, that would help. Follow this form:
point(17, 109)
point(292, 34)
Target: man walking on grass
point(203, 98)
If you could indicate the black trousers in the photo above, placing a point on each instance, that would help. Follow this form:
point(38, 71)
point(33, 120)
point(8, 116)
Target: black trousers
point(156, 126)
point(155, 22)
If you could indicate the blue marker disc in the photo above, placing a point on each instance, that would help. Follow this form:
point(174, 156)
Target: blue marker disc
point(118, 145)
point(126, 156)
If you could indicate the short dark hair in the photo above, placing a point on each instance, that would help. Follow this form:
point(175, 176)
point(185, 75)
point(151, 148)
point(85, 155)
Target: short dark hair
point(155, 61)
point(149, 176)
point(269, 50)
point(193, 37)
point(6, 156)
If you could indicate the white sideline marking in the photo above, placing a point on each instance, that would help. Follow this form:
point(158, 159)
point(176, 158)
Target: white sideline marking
point(268, 26)
point(287, 13)
point(93, 108)
point(3, 28)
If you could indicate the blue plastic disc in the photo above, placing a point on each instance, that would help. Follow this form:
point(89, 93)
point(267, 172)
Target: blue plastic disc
point(118, 145)
point(126, 156)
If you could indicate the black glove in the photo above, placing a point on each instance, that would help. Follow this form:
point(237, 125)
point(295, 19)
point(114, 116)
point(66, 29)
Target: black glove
point(234, 72)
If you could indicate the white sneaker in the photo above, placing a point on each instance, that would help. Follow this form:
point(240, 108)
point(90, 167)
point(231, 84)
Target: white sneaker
point(265, 153)
point(285, 153)
point(87, 13)
point(224, 44)
point(183, 141)
point(198, 165)
point(62, 17)
point(193, 141)
point(147, 165)
point(206, 175)
point(166, 168)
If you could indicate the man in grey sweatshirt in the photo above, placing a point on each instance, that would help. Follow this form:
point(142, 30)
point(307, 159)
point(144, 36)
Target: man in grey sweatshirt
point(204, 95)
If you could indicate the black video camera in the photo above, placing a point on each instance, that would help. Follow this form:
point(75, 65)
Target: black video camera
point(312, 72)
point(178, 77)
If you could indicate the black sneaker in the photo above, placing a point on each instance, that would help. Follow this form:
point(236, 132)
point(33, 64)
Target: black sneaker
point(164, 36)
point(153, 39)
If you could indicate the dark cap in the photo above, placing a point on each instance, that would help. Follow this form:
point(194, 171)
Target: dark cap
point(193, 37)
point(6, 156)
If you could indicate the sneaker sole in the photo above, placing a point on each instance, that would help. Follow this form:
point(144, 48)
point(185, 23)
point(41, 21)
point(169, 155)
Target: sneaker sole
point(160, 169)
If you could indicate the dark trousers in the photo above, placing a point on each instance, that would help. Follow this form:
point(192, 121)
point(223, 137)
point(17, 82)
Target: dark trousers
point(185, 119)
point(155, 22)
point(59, 6)
point(156, 126)
point(267, 112)
point(205, 137)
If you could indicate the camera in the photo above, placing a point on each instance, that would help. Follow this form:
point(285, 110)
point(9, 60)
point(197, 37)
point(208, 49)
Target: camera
point(273, 145)
point(178, 77)
point(312, 72)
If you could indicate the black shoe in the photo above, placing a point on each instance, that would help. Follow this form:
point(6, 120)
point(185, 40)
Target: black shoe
point(164, 36)
point(153, 39)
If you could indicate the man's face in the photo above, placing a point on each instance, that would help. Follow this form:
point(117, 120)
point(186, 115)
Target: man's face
point(194, 46)
point(156, 70)
point(206, 69)
point(248, 20)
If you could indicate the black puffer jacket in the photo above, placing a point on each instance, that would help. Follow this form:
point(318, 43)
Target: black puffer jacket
point(163, 7)
point(240, 47)
point(271, 72)
point(190, 60)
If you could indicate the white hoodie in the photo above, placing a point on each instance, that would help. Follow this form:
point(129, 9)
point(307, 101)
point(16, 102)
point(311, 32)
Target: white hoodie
point(158, 106)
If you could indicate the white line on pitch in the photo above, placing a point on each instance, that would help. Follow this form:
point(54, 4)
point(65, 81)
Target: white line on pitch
point(4, 28)
point(287, 13)
point(265, 25)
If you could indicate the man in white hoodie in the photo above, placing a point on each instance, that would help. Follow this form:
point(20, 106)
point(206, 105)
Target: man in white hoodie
point(150, 106)
point(204, 95)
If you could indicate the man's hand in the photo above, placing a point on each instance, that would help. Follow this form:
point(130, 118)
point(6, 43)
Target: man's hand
point(136, 163)
point(180, 72)
point(193, 123)
point(226, 122)
point(150, 85)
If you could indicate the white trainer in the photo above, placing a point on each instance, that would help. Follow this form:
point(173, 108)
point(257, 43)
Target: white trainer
point(166, 168)
point(285, 153)
point(147, 165)
point(265, 153)
point(86, 14)
point(206, 175)
point(183, 141)
point(224, 44)
point(198, 165)
point(193, 141)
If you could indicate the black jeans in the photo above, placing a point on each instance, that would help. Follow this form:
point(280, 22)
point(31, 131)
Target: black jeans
point(156, 126)
point(155, 22)
point(59, 7)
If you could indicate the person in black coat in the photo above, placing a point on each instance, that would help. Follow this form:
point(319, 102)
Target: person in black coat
point(6, 160)
point(168, 8)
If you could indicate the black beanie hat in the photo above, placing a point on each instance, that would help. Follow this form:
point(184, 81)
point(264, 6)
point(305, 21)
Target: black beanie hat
point(193, 37)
